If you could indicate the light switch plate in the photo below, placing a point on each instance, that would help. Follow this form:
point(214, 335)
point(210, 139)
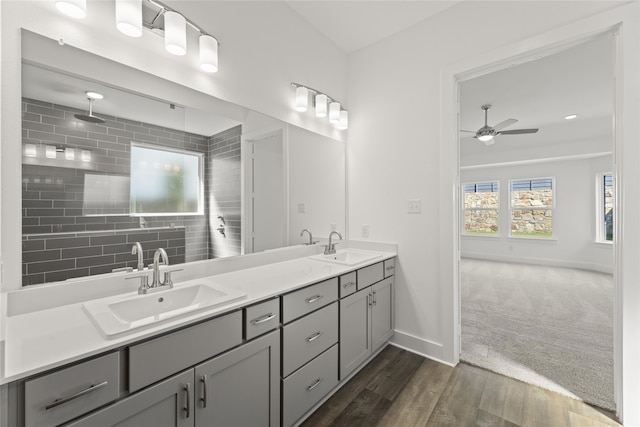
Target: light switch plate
point(415, 206)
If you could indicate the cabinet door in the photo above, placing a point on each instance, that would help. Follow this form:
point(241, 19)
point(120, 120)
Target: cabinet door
point(241, 388)
point(381, 313)
point(355, 344)
point(166, 404)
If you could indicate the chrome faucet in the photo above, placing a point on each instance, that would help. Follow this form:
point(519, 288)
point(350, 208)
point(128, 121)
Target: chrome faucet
point(331, 247)
point(136, 249)
point(156, 266)
point(311, 242)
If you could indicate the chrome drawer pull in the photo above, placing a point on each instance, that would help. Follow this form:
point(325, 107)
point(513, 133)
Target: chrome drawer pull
point(64, 400)
point(314, 336)
point(313, 299)
point(374, 298)
point(315, 384)
point(187, 409)
point(346, 285)
point(263, 319)
point(203, 399)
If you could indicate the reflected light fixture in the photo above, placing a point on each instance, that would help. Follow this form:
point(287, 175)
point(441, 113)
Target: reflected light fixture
point(321, 105)
point(208, 53)
point(175, 33)
point(302, 98)
point(70, 154)
point(129, 17)
point(30, 150)
point(344, 120)
point(50, 152)
point(74, 8)
point(334, 112)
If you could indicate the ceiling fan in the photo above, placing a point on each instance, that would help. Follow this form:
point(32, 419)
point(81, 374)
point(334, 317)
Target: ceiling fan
point(486, 133)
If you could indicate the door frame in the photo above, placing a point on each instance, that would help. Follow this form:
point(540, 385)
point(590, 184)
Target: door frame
point(623, 23)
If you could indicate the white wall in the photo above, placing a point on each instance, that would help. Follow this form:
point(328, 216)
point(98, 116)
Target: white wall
point(573, 243)
point(402, 99)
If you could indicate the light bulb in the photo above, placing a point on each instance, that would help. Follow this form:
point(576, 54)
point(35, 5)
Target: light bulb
point(344, 120)
point(74, 8)
point(129, 17)
point(321, 105)
point(302, 98)
point(208, 53)
point(175, 33)
point(485, 138)
point(334, 112)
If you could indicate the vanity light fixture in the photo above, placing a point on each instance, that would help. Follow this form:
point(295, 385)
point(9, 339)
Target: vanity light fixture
point(50, 152)
point(337, 115)
point(175, 33)
point(129, 17)
point(30, 150)
point(70, 154)
point(208, 53)
point(74, 8)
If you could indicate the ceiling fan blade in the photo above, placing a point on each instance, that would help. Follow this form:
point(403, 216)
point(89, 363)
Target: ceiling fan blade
point(468, 137)
point(517, 131)
point(504, 124)
point(468, 131)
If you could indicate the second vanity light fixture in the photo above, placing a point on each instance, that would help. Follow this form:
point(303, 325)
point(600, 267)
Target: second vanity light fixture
point(129, 21)
point(323, 104)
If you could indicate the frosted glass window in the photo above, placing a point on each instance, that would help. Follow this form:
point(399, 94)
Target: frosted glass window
point(165, 182)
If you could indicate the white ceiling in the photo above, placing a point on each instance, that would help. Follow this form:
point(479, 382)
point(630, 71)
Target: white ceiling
point(540, 93)
point(352, 25)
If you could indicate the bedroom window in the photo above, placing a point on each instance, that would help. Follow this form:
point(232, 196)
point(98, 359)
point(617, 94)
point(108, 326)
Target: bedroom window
point(481, 207)
point(165, 181)
point(604, 200)
point(532, 206)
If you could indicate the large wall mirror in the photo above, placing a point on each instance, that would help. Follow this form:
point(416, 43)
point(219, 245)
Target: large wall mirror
point(112, 156)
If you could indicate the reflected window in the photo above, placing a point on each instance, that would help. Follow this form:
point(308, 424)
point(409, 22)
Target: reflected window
point(605, 198)
point(532, 208)
point(481, 207)
point(165, 181)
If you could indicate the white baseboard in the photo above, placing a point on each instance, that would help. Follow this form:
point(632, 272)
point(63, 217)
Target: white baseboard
point(600, 268)
point(423, 347)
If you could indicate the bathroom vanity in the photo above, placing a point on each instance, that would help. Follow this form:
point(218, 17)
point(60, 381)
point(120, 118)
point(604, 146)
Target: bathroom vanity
point(304, 327)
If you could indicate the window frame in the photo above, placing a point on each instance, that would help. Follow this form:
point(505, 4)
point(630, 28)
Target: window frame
point(601, 234)
point(201, 171)
point(552, 208)
point(497, 209)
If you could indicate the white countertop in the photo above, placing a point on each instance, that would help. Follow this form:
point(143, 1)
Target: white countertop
point(41, 340)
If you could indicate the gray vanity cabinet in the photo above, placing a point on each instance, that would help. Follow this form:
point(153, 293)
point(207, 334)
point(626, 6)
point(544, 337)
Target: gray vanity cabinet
point(169, 403)
point(366, 324)
point(241, 387)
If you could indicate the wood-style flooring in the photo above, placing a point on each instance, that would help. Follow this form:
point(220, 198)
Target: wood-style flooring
point(399, 388)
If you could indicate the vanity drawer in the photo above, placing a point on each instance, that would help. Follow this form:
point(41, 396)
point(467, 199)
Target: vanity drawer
point(389, 267)
point(367, 276)
point(308, 299)
point(58, 397)
point(348, 284)
point(164, 356)
point(261, 318)
point(305, 338)
point(302, 390)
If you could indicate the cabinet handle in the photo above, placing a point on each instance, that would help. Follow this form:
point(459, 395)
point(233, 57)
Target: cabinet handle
point(346, 285)
point(187, 408)
point(203, 399)
point(314, 336)
point(374, 298)
point(63, 400)
point(369, 299)
point(313, 299)
point(263, 319)
point(315, 384)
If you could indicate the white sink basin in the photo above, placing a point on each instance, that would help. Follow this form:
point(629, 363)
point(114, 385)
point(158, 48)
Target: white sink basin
point(347, 257)
point(124, 313)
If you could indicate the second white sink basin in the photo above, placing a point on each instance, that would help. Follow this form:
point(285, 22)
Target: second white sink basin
point(120, 314)
point(348, 257)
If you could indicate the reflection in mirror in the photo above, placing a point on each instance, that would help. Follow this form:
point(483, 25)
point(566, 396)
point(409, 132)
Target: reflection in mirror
point(100, 175)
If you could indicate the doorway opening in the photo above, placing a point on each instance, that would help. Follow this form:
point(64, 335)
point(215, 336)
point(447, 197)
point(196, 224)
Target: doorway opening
point(536, 271)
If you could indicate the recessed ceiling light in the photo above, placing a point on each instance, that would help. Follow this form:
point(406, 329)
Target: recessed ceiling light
point(570, 117)
point(94, 95)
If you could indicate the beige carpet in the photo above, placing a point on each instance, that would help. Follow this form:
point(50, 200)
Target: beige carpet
point(547, 326)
